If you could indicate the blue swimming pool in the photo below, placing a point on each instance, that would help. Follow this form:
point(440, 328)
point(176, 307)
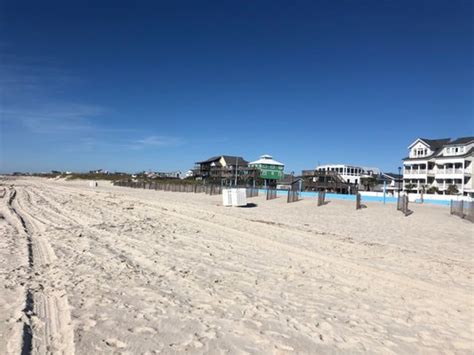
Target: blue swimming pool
point(334, 196)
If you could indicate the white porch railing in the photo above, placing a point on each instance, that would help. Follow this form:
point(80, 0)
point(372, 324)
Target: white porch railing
point(414, 171)
point(450, 171)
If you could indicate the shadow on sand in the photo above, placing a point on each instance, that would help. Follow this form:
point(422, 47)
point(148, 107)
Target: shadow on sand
point(249, 205)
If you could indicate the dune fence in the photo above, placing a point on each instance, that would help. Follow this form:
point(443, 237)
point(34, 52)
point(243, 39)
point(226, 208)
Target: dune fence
point(252, 192)
point(207, 189)
point(271, 194)
point(402, 205)
point(321, 197)
point(358, 201)
point(293, 196)
point(463, 209)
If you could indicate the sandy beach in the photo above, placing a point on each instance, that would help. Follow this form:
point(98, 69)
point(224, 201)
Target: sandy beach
point(120, 270)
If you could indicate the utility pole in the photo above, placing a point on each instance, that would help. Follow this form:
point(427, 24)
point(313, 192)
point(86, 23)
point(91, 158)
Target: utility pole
point(399, 178)
point(236, 171)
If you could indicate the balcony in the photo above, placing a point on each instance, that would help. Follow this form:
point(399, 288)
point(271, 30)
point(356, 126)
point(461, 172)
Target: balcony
point(443, 187)
point(450, 171)
point(415, 172)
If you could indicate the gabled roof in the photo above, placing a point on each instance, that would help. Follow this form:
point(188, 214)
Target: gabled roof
point(233, 160)
point(462, 140)
point(434, 144)
point(469, 153)
point(210, 160)
point(229, 159)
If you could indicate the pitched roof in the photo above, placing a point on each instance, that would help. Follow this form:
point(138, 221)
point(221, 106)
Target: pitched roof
point(233, 160)
point(229, 159)
point(393, 176)
point(470, 152)
point(462, 140)
point(210, 160)
point(436, 143)
point(267, 159)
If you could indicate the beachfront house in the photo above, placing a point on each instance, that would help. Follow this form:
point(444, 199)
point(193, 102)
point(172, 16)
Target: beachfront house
point(442, 166)
point(339, 178)
point(225, 170)
point(269, 170)
point(391, 181)
point(349, 173)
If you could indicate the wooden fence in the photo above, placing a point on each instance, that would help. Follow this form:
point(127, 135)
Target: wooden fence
point(402, 205)
point(252, 192)
point(293, 196)
point(358, 201)
point(463, 209)
point(208, 189)
point(321, 197)
point(271, 194)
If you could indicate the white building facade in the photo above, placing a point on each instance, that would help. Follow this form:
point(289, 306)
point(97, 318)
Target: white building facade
point(351, 174)
point(440, 165)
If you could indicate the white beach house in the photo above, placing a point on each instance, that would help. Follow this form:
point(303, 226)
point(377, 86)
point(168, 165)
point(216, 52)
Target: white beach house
point(439, 165)
point(350, 173)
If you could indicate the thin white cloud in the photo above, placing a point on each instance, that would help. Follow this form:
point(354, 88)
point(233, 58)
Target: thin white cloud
point(160, 141)
point(156, 141)
point(53, 118)
point(122, 145)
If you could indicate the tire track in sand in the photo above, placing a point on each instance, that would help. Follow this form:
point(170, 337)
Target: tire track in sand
point(252, 234)
point(27, 334)
point(47, 324)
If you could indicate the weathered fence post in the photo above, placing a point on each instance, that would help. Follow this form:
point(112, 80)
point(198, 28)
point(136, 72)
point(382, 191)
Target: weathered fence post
point(292, 196)
point(358, 198)
point(321, 197)
point(271, 194)
point(402, 204)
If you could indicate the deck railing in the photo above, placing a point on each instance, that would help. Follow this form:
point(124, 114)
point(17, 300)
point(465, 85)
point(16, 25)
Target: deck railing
point(415, 171)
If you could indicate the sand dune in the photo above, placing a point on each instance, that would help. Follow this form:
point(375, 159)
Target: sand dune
point(138, 271)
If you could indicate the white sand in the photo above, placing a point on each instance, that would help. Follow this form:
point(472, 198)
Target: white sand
point(140, 271)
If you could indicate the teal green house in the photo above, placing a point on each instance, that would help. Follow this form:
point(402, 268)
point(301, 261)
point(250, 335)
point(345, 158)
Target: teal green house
point(269, 169)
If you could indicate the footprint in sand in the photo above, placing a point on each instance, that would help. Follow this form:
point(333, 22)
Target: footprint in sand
point(115, 343)
point(143, 330)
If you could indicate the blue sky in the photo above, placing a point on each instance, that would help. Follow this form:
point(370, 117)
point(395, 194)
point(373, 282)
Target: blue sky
point(161, 84)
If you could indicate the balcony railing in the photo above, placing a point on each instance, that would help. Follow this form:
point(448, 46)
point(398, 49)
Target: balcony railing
point(415, 171)
point(449, 171)
point(438, 171)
